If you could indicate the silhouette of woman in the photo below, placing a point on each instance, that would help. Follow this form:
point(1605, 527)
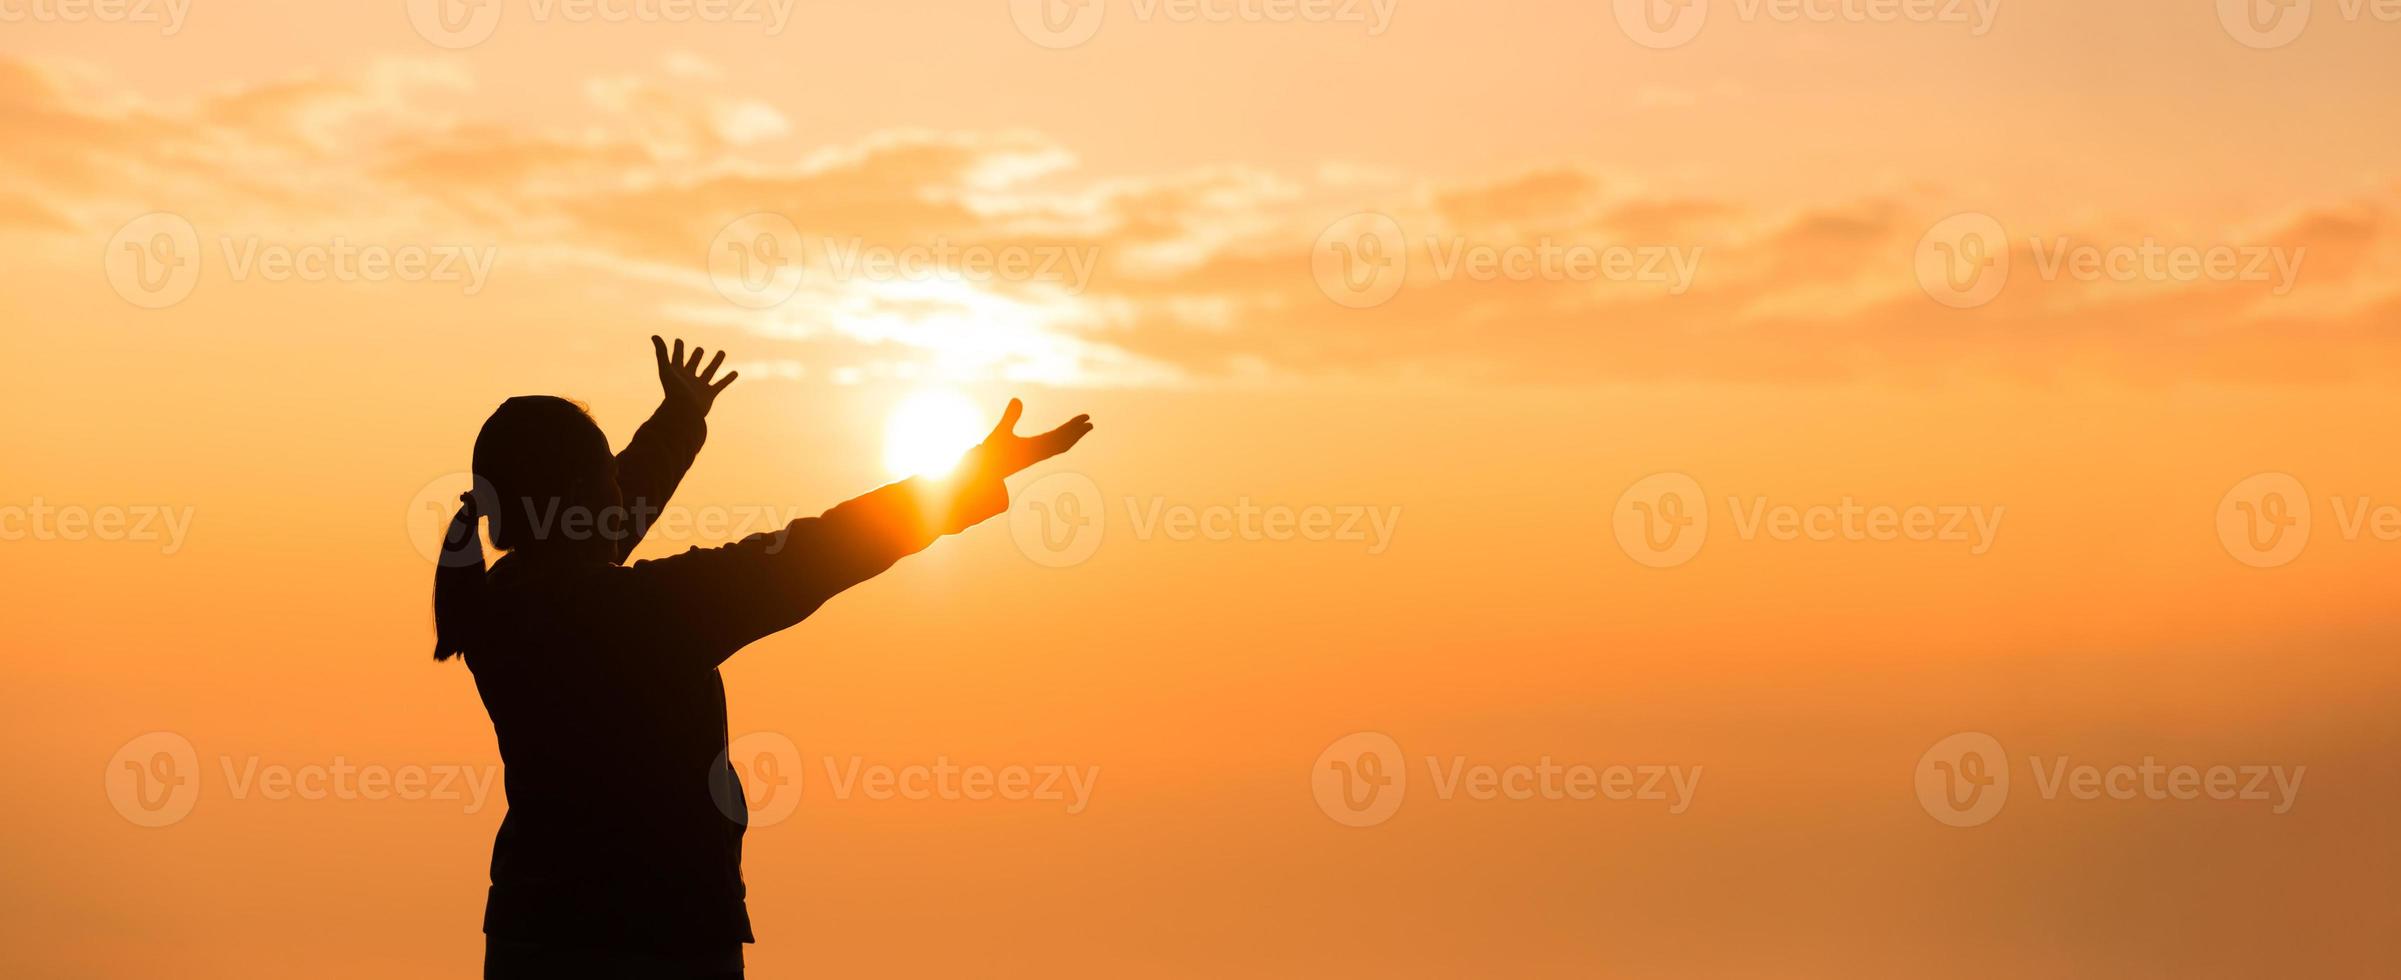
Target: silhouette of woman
point(615, 858)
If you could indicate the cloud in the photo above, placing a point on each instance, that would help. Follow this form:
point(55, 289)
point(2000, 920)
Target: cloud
point(1553, 274)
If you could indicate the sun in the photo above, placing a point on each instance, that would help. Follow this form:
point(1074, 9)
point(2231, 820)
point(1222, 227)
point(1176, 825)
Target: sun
point(928, 431)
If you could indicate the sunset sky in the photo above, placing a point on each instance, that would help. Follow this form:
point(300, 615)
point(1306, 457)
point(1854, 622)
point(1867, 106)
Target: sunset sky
point(2028, 374)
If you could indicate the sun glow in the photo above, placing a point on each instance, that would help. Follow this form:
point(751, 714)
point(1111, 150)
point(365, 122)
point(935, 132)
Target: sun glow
point(928, 431)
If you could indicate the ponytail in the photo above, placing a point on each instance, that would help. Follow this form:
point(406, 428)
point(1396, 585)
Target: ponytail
point(535, 450)
point(459, 584)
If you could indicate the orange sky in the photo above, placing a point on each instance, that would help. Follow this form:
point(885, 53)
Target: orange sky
point(1181, 193)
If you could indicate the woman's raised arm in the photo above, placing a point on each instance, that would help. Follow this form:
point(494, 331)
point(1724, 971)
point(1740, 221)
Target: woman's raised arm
point(709, 603)
point(663, 449)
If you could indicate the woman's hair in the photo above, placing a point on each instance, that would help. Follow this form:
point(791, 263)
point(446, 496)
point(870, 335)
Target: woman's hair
point(536, 456)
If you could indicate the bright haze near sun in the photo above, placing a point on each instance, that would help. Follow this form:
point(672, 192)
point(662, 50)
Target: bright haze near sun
point(930, 429)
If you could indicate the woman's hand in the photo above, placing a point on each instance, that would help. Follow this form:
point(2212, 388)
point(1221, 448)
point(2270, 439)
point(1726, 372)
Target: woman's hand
point(685, 382)
point(1005, 452)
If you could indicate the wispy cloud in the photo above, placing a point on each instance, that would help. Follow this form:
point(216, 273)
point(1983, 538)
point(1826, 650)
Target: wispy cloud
point(1558, 273)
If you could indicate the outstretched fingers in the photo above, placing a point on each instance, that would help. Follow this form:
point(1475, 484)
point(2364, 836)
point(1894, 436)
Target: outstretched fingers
point(690, 378)
point(1007, 452)
point(1063, 438)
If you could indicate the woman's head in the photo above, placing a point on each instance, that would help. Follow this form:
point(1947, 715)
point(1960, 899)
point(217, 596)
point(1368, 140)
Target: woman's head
point(546, 468)
point(546, 480)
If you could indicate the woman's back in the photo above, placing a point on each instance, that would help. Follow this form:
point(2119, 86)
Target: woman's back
point(615, 762)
